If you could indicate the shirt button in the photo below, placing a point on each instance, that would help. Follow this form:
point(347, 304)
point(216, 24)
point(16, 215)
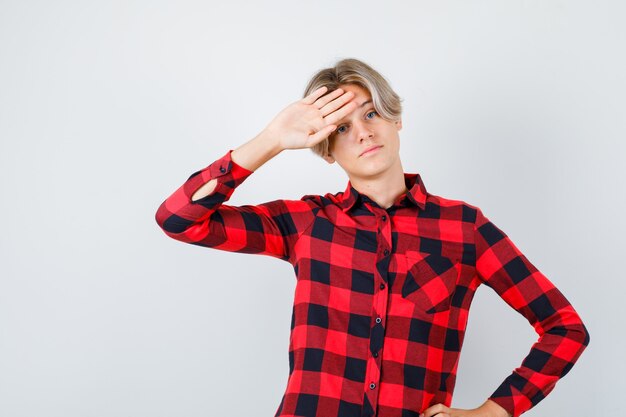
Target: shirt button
point(372, 385)
point(382, 286)
point(386, 252)
point(378, 320)
point(375, 354)
point(384, 217)
point(222, 169)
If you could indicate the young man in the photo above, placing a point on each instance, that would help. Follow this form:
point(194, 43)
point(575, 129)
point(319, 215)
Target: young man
point(386, 271)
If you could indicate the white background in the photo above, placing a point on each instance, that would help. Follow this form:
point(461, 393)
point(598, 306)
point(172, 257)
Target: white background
point(107, 107)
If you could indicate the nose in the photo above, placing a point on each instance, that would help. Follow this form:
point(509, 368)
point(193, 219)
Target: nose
point(362, 131)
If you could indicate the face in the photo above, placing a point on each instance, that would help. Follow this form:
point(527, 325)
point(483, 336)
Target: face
point(361, 130)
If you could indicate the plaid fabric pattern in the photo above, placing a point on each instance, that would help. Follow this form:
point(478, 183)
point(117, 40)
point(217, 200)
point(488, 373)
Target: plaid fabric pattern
point(382, 295)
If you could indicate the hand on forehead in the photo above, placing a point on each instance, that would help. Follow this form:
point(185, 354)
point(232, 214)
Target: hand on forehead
point(360, 100)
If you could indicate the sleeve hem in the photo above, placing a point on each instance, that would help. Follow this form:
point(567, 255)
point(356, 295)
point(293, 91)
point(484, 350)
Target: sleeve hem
point(237, 169)
point(506, 404)
point(223, 170)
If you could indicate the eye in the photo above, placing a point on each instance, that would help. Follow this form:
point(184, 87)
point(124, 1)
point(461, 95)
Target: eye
point(343, 128)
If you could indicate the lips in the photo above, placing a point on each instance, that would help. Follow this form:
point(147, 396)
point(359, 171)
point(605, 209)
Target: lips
point(370, 149)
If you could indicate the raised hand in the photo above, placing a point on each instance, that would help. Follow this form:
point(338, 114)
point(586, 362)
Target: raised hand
point(310, 120)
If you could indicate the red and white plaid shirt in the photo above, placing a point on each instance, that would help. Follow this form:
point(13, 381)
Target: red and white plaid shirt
point(383, 295)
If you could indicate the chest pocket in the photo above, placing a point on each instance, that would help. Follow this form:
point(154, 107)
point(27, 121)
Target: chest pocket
point(430, 280)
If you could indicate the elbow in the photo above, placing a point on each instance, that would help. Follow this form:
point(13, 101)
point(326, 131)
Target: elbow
point(578, 332)
point(573, 326)
point(161, 216)
point(172, 224)
point(586, 337)
point(577, 340)
point(579, 337)
point(571, 331)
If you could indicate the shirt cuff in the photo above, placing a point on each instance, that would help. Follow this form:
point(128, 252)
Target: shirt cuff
point(228, 173)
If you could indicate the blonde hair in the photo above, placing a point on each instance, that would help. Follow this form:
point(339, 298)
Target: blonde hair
point(353, 71)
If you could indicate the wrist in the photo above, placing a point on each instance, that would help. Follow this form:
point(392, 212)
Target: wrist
point(492, 409)
point(271, 141)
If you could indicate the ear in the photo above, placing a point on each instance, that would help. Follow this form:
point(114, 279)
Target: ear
point(399, 124)
point(329, 158)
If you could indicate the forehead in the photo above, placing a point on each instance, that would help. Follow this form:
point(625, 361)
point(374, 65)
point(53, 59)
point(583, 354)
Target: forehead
point(359, 92)
point(362, 98)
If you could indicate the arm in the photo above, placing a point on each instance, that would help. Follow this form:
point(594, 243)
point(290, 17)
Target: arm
point(195, 213)
point(562, 334)
point(250, 156)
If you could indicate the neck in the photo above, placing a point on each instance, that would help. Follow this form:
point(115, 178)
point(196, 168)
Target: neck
point(384, 189)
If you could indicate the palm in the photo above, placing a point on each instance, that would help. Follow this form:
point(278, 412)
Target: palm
point(307, 122)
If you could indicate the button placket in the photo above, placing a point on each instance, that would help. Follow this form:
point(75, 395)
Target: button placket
point(373, 372)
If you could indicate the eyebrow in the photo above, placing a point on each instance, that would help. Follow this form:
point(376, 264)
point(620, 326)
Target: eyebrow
point(362, 105)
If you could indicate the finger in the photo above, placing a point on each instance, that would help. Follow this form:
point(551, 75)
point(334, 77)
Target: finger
point(335, 116)
point(310, 99)
point(322, 101)
point(321, 135)
point(336, 103)
point(438, 410)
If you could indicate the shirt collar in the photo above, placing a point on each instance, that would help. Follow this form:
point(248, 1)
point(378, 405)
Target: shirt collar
point(416, 194)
